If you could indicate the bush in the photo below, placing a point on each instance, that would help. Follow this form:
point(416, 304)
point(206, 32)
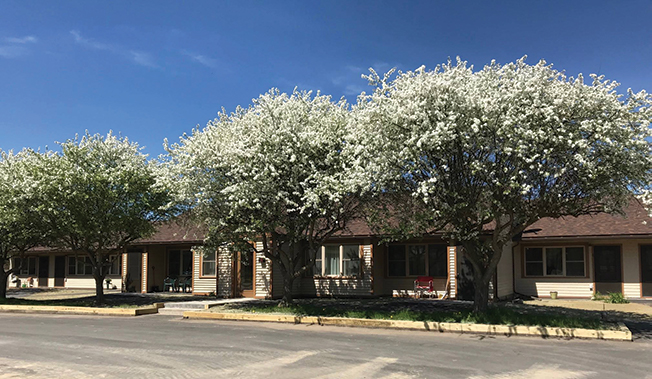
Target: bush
point(616, 298)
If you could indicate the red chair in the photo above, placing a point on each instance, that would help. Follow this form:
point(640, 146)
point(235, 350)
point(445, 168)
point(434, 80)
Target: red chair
point(422, 285)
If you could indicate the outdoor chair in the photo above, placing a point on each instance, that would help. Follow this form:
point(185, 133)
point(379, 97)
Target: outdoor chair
point(424, 285)
point(169, 283)
point(186, 284)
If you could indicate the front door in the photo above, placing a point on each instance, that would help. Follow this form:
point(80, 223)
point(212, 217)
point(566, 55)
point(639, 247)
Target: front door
point(59, 271)
point(245, 274)
point(646, 270)
point(608, 269)
point(43, 271)
point(133, 280)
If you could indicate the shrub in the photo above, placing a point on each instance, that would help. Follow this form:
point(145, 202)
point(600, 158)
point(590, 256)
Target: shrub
point(616, 298)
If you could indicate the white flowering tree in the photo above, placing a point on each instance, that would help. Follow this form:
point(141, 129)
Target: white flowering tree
point(102, 193)
point(482, 155)
point(273, 172)
point(21, 221)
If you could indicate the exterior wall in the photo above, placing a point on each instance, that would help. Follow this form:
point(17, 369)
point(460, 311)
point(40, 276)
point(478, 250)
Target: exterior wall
point(73, 282)
point(505, 273)
point(385, 285)
point(582, 287)
point(156, 267)
point(201, 285)
point(224, 273)
point(360, 286)
point(263, 279)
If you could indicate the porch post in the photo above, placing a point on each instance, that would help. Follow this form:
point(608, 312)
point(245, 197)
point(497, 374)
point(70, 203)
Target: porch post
point(124, 272)
point(452, 271)
point(144, 275)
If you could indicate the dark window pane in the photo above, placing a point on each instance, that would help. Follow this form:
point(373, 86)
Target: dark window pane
point(88, 266)
point(208, 268)
point(574, 254)
point(187, 263)
point(351, 260)
point(417, 256)
point(554, 261)
point(438, 260)
point(174, 263)
point(317, 266)
point(396, 261)
point(534, 269)
point(71, 265)
point(534, 254)
point(574, 268)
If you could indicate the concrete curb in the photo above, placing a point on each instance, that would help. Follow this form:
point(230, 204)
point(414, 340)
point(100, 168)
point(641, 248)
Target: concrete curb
point(79, 310)
point(622, 334)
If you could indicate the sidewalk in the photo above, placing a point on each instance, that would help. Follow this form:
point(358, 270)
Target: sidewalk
point(591, 305)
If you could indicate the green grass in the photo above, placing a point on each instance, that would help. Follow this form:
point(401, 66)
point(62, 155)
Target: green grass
point(495, 315)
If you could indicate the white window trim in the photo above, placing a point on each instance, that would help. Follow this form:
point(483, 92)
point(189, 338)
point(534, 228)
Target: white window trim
point(201, 266)
point(322, 258)
point(545, 262)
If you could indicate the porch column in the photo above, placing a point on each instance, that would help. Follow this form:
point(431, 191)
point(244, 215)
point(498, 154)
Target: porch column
point(452, 271)
point(123, 274)
point(144, 275)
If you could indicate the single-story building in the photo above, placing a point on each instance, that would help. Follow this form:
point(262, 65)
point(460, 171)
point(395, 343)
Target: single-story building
point(573, 256)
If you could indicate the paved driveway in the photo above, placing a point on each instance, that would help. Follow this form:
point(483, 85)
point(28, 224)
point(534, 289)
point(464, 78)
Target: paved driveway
point(47, 346)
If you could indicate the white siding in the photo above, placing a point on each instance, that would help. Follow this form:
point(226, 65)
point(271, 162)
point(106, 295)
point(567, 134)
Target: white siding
point(144, 273)
point(452, 271)
point(504, 273)
point(340, 286)
point(541, 287)
point(262, 271)
point(201, 285)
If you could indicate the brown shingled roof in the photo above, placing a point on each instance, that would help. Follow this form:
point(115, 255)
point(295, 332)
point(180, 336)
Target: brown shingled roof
point(636, 222)
point(173, 232)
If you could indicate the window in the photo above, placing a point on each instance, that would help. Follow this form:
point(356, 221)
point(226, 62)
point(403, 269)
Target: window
point(534, 261)
point(575, 261)
point(555, 261)
point(396, 260)
point(179, 263)
point(29, 265)
point(338, 260)
point(417, 260)
point(81, 265)
point(208, 263)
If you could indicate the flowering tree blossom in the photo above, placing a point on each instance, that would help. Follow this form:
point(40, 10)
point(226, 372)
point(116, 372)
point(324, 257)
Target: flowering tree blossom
point(482, 155)
point(102, 194)
point(273, 172)
point(21, 221)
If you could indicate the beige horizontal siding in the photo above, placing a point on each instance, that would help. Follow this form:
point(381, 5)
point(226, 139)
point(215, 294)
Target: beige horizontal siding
point(505, 274)
point(263, 278)
point(201, 285)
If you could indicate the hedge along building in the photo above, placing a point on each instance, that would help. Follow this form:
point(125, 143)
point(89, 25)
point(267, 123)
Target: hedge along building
point(574, 256)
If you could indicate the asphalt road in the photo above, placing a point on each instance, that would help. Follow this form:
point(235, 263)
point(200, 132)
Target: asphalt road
point(157, 346)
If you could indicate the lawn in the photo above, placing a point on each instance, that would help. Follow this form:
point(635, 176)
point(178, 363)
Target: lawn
point(434, 311)
point(65, 303)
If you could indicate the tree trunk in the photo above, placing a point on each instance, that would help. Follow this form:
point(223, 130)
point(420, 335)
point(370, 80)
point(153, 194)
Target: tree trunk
point(3, 285)
point(287, 299)
point(99, 290)
point(481, 298)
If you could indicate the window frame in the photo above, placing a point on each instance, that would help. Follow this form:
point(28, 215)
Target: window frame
point(25, 270)
point(544, 257)
point(407, 260)
point(201, 265)
point(116, 258)
point(321, 256)
point(180, 250)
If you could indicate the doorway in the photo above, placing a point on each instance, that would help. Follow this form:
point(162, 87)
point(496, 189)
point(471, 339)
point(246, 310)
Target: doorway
point(134, 282)
point(245, 274)
point(43, 271)
point(608, 269)
point(59, 271)
point(646, 270)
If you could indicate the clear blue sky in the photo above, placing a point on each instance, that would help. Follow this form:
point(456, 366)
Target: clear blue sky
point(157, 69)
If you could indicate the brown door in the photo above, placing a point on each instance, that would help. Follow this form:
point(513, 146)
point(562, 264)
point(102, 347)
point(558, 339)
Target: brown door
point(43, 271)
point(59, 271)
point(646, 270)
point(245, 274)
point(608, 269)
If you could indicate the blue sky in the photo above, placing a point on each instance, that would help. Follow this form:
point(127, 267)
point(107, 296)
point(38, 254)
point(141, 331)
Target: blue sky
point(157, 69)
